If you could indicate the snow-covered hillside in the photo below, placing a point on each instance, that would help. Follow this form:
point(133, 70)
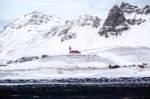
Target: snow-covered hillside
point(123, 38)
point(125, 62)
point(37, 33)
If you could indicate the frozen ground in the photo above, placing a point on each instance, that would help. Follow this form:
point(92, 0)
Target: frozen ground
point(95, 64)
point(127, 55)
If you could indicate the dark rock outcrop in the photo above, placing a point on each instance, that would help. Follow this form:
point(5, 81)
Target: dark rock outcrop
point(128, 8)
point(26, 59)
point(45, 56)
point(135, 21)
point(82, 21)
point(65, 32)
point(88, 20)
point(68, 36)
point(115, 18)
point(117, 22)
point(114, 66)
point(146, 9)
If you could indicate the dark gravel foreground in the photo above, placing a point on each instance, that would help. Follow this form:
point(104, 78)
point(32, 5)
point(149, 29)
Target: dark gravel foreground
point(72, 88)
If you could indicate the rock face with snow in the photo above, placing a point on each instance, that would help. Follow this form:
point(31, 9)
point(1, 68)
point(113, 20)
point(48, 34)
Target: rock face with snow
point(82, 21)
point(117, 21)
point(115, 18)
point(128, 8)
point(39, 31)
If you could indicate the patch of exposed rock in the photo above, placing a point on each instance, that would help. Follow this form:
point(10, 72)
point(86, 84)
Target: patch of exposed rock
point(115, 22)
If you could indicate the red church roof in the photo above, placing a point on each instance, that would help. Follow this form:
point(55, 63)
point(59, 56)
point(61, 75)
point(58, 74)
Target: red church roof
point(74, 51)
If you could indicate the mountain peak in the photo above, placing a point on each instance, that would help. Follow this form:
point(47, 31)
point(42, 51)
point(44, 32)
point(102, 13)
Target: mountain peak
point(128, 8)
point(37, 14)
point(87, 20)
point(34, 18)
point(127, 5)
point(116, 15)
point(115, 18)
point(146, 9)
point(32, 13)
point(120, 18)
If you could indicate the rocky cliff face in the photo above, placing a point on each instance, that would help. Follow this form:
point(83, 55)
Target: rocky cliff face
point(128, 8)
point(115, 18)
point(117, 22)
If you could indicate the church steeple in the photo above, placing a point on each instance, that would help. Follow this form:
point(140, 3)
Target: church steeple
point(70, 48)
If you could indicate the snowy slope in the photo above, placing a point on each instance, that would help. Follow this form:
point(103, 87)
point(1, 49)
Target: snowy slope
point(126, 55)
point(86, 66)
point(28, 32)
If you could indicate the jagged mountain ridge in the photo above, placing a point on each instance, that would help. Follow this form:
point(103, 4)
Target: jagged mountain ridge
point(38, 33)
point(37, 30)
point(57, 26)
point(120, 18)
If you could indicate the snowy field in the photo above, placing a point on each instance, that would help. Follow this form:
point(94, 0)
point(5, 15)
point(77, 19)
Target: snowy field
point(131, 62)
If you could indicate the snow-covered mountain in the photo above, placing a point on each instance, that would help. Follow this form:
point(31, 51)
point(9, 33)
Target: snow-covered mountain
point(37, 44)
point(123, 18)
point(40, 33)
point(37, 33)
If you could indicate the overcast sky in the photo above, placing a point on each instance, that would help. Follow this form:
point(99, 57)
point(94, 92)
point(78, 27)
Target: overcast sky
point(67, 9)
